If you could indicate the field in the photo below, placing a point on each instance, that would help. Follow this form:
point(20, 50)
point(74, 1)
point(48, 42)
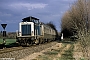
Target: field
point(8, 41)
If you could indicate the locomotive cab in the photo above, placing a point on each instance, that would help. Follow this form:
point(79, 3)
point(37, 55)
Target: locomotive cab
point(28, 26)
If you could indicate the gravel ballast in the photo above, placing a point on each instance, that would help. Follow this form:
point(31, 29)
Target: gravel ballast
point(27, 51)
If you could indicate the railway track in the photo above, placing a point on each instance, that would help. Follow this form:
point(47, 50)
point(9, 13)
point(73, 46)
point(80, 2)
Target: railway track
point(20, 52)
point(6, 50)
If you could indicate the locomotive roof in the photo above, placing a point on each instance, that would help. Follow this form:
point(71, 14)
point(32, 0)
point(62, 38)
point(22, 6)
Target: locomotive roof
point(29, 18)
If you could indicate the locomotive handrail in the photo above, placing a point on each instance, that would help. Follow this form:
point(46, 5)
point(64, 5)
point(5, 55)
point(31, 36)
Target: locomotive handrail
point(17, 33)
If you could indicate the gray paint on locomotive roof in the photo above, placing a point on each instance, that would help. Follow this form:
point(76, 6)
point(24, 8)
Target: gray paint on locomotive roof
point(30, 17)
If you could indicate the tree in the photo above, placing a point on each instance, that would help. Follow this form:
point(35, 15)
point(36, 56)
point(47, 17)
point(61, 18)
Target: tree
point(66, 24)
point(76, 21)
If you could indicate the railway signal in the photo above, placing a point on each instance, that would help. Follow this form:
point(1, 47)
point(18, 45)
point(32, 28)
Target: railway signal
point(4, 26)
point(4, 33)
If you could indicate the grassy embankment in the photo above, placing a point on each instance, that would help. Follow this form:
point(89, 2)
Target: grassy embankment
point(63, 53)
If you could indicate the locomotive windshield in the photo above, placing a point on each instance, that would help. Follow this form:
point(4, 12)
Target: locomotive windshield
point(26, 30)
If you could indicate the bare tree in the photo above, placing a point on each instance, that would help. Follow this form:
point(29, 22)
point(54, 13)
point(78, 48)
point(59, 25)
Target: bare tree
point(77, 22)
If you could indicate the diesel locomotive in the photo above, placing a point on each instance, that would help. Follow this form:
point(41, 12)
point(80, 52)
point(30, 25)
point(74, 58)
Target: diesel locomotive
point(32, 31)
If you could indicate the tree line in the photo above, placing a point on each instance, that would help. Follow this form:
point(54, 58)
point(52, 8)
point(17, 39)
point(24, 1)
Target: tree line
point(9, 35)
point(76, 22)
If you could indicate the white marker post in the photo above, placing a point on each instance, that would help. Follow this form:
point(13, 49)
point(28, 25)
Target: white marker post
point(62, 36)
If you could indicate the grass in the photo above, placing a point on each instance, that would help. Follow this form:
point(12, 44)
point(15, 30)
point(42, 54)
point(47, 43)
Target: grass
point(8, 41)
point(50, 55)
point(44, 57)
point(54, 51)
point(60, 53)
point(1, 41)
point(68, 54)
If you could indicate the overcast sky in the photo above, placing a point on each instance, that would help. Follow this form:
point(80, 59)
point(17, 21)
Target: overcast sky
point(12, 11)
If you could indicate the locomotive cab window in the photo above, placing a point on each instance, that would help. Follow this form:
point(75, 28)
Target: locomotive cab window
point(26, 30)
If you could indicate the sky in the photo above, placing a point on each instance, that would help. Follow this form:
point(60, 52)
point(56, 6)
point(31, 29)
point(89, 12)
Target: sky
point(13, 11)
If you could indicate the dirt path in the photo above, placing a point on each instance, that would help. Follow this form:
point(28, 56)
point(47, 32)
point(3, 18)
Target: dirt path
point(60, 51)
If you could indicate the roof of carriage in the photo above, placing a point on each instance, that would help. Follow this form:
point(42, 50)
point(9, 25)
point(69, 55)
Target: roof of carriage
point(29, 18)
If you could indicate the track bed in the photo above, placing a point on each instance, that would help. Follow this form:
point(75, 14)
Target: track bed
point(20, 52)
